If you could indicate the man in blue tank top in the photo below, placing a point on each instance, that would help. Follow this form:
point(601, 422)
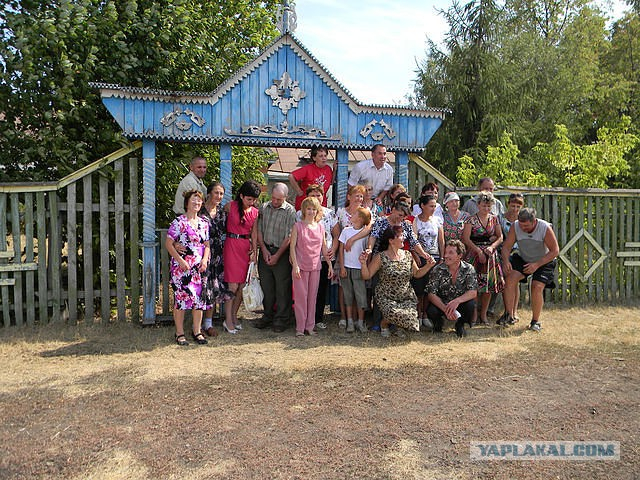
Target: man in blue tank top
point(536, 256)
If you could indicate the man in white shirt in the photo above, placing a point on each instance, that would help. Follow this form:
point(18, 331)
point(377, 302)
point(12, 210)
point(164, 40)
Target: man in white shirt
point(376, 171)
point(191, 181)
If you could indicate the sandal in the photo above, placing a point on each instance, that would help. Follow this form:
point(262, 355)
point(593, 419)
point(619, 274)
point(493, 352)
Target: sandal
point(199, 338)
point(181, 340)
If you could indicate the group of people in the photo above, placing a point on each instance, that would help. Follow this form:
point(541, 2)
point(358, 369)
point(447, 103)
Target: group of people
point(411, 265)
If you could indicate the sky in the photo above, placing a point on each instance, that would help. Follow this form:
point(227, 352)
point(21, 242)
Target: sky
point(373, 47)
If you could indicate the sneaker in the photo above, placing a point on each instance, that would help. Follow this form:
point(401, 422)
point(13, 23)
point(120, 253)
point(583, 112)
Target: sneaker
point(350, 327)
point(385, 332)
point(535, 326)
point(321, 325)
point(375, 328)
point(427, 323)
point(460, 332)
point(513, 320)
point(342, 323)
point(361, 327)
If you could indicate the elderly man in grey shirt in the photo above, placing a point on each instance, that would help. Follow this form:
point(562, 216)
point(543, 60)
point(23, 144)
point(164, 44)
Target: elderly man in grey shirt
point(191, 181)
point(274, 225)
point(471, 205)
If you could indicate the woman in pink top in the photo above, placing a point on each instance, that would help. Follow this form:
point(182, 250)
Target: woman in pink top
point(307, 241)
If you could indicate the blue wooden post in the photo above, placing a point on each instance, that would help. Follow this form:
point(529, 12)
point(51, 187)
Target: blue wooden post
point(225, 171)
point(402, 169)
point(342, 174)
point(149, 231)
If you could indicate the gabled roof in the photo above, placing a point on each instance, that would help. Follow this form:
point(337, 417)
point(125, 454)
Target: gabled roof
point(284, 97)
point(142, 93)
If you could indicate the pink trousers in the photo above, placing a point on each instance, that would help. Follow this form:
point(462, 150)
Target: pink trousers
point(305, 291)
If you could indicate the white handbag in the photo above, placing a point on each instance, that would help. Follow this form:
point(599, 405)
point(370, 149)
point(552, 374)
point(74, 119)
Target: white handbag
point(252, 291)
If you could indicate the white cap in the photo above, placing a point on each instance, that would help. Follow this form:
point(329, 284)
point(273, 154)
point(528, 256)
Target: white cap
point(450, 196)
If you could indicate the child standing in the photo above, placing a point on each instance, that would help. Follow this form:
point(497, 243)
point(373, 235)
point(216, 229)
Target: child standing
point(307, 241)
point(353, 286)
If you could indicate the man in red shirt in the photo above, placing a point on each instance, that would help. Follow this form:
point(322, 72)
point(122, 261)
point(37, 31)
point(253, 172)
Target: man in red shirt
point(317, 172)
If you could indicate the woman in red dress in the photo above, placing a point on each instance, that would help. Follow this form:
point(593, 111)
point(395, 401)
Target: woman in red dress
point(239, 248)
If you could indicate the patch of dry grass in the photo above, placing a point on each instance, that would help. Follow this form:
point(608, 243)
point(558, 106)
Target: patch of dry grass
point(121, 401)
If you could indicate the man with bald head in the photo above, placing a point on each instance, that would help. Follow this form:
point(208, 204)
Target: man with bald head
point(275, 221)
point(191, 181)
point(485, 184)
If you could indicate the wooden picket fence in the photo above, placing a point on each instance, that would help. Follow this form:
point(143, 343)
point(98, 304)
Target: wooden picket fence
point(598, 232)
point(71, 250)
point(72, 247)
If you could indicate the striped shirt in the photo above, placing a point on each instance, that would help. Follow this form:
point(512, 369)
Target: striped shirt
point(275, 224)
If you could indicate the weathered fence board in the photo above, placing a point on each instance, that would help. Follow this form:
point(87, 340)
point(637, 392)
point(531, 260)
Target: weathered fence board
point(55, 246)
point(119, 233)
point(134, 248)
point(87, 246)
point(105, 244)
point(5, 255)
point(41, 215)
point(17, 256)
point(164, 270)
point(29, 259)
point(72, 253)
point(56, 233)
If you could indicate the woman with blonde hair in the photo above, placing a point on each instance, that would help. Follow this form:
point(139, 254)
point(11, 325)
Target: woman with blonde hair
point(482, 235)
point(308, 242)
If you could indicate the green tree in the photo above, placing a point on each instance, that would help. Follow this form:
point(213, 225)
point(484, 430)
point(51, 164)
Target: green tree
point(53, 122)
point(559, 162)
point(502, 163)
point(461, 77)
point(586, 166)
point(543, 65)
point(623, 97)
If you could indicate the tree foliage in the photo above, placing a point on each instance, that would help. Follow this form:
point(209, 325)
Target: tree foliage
point(545, 63)
point(52, 122)
point(560, 162)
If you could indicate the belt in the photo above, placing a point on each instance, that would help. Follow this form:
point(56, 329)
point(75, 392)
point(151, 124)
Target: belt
point(237, 235)
point(272, 248)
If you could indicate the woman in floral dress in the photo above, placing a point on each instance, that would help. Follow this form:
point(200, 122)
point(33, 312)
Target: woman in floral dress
point(187, 269)
point(482, 236)
point(394, 294)
point(453, 217)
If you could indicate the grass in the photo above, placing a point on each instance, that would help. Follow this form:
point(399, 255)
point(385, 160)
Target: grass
point(121, 401)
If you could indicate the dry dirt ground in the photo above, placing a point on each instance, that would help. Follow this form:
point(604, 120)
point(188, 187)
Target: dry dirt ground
point(121, 401)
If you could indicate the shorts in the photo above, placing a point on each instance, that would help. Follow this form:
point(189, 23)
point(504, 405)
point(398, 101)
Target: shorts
point(545, 274)
point(353, 288)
